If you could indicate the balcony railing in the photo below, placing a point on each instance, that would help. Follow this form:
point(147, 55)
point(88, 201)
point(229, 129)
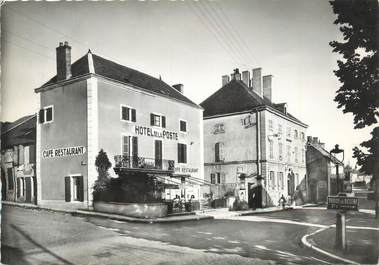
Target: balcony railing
point(143, 163)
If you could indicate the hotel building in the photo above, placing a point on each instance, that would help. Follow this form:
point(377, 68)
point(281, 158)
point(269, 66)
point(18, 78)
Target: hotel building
point(142, 123)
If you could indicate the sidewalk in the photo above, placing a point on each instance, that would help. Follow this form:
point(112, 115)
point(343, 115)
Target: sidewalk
point(224, 213)
point(89, 213)
point(362, 245)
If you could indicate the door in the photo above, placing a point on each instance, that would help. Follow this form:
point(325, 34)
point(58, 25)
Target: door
point(255, 195)
point(67, 189)
point(28, 190)
point(158, 154)
point(135, 151)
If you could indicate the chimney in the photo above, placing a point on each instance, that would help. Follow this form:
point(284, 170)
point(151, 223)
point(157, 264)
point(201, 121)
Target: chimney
point(267, 87)
point(315, 140)
point(257, 81)
point(322, 145)
point(178, 87)
point(309, 139)
point(63, 61)
point(236, 74)
point(246, 78)
point(225, 80)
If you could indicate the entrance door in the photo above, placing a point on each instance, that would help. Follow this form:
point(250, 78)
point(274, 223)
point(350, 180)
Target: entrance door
point(135, 151)
point(255, 195)
point(28, 190)
point(158, 154)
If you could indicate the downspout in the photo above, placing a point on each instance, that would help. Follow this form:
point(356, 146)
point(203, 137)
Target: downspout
point(259, 147)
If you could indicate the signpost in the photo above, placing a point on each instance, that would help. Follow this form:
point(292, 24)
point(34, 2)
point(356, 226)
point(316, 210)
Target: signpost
point(342, 204)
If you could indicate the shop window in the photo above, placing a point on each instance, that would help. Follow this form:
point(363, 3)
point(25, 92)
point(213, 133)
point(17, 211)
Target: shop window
point(10, 178)
point(182, 153)
point(46, 115)
point(157, 120)
point(219, 152)
point(74, 189)
point(128, 114)
point(183, 126)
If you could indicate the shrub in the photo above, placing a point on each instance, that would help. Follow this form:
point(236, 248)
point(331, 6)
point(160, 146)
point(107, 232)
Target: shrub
point(239, 205)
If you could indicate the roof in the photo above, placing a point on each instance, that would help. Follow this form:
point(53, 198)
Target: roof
point(118, 72)
point(19, 132)
point(325, 153)
point(235, 97)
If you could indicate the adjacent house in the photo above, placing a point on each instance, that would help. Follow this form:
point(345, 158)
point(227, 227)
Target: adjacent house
point(18, 158)
point(322, 169)
point(146, 127)
point(254, 148)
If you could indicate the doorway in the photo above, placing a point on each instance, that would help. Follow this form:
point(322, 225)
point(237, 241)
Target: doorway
point(255, 195)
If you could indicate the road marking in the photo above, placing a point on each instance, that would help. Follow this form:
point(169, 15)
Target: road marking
point(283, 221)
point(205, 233)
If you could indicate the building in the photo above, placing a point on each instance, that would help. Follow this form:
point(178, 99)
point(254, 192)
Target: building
point(18, 158)
point(254, 148)
point(322, 168)
point(143, 123)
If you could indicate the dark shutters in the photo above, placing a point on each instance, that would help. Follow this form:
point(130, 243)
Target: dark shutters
point(124, 113)
point(49, 114)
point(18, 187)
point(158, 153)
point(179, 153)
point(135, 151)
point(182, 153)
point(67, 189)
point(217, 152)
point(10, 178)
point(80, 190)
point(152, 119)
point(28, 189)
point(213, 179)
point(41, 116)
point(133, 115)
point(183, 126)
point(163, 122)
point(218, 178)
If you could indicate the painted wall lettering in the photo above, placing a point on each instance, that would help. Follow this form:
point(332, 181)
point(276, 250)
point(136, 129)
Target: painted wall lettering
point(64, 151)
point(142, 130)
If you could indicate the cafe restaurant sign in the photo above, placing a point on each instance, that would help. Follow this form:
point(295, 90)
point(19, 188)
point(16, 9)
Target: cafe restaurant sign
point(164, 134)
point(64, 151)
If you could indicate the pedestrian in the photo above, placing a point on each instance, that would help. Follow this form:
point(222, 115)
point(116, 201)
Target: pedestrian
point(282, 201)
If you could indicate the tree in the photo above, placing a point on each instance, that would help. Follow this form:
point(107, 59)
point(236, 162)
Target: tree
point(358, 73)
point(101, 188)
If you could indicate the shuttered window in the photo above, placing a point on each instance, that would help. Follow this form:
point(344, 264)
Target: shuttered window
point(157, 120)
point(182, 153)
point(219, 152)
point(128, 114)
point(183, 126)
point(213, 178)
point(46, 114)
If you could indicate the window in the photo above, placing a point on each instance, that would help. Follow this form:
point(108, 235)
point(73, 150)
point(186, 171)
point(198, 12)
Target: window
point(288, 153)
point(296, 134)
point(157, 120)
point(280, 151)
point(182, 153)
point(10, 178)
point(280, 180)
point(302, 155)
point(302, 136)
point(280, 129)
point(213, 178)
point(270, 126)
point(217, 178)
point(219, 152)
point(296, 155)
point(288, 132)
point(46, 115)
point(128, 114)
point(183, 126)
point(218, 128)
point(74, 189)
point(271, 146)
point(272, 179)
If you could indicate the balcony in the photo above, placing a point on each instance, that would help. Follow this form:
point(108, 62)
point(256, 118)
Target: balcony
point(143, 164)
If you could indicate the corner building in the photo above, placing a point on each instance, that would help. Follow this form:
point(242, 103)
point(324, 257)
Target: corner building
point(142, 123)
point(254, 149)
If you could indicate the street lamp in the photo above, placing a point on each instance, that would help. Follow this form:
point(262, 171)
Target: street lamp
point(337, 150)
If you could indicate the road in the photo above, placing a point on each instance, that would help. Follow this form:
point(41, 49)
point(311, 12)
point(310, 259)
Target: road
point(42, 237)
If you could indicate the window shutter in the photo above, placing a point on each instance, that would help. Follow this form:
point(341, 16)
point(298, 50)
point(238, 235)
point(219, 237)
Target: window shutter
point(217, 152)
point(41, 116)
point(123, 113)
point(67, 189)
point(213, 179)
point(133, 115)
point(184, 153)
point(151, 119)
point(18, 188)
point(80, 189)
point(49, 114)
point(221, 151)
point(179, 153)
point(163, 122)
point(135, 146)
point(218, 178)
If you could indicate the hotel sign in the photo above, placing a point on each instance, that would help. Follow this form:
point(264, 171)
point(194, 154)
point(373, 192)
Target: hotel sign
point(343, 203)
point(164, 134)
point(64, 151)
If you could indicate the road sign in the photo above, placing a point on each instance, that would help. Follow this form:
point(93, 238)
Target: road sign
point(343, 203)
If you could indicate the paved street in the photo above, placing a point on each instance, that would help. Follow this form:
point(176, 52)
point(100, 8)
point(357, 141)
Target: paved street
point(42, 237)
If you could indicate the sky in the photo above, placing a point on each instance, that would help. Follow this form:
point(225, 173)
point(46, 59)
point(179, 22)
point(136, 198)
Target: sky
point(188, 42)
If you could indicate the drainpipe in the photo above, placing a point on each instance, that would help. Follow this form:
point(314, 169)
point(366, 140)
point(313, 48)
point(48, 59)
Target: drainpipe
point(259, 147)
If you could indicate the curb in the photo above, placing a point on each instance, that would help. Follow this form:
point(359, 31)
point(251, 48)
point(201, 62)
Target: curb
point(263, 212)
point(309, 245)
point(192, 217)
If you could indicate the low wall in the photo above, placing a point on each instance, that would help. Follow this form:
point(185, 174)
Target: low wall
point(139, 210)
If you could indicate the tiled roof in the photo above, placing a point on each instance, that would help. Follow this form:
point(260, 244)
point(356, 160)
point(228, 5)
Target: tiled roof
point(325, 153)
point(234, 97)
point(118, 72)
point(22, 131)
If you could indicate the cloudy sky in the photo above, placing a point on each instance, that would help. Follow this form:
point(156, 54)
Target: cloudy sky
point(188, 42)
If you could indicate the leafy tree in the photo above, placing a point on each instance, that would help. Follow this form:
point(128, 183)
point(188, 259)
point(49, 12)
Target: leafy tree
point(101, 188)
point(358, 73)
